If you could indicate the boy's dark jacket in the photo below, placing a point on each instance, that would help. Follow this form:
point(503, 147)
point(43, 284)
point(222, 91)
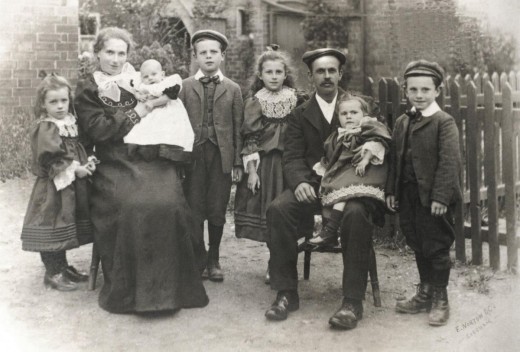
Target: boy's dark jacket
point(228, 116)
point(435, 157)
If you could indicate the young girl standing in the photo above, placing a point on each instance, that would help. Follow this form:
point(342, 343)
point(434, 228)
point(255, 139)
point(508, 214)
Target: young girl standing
point(272, 97)
point(354, 164)
point(57, 217)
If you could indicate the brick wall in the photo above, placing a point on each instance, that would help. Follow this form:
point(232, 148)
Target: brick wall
point(399, 31)
point(35, 35)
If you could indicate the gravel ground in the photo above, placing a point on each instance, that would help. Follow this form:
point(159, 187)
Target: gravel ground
point(485, 314)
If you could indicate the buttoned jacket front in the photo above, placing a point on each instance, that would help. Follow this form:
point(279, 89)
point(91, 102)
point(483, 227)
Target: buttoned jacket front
point(435, 157)
point(227, 117)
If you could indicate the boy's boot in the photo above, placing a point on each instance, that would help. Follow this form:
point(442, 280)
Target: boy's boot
point(440, 311)
point(329, 232)
point(215, 235)
point(422, 301)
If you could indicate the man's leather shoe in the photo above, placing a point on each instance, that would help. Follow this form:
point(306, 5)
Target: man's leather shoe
point(440, 311)
point(347, 316)
point(59, 282)
point(286, 301)
point(74, 275)
point(422, 301)
point(215, 272)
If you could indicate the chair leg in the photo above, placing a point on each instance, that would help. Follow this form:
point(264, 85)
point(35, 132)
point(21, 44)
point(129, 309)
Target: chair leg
point(94, 267)
point(306, 265)
point(372, 269)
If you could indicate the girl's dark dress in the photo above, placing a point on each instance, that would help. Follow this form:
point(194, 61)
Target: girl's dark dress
point(57, 217)
point(265, 122)
point(141, 219)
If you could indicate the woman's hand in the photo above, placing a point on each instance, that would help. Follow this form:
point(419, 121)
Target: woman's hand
point(253, 182)
point(82, 171)
point(141, 109)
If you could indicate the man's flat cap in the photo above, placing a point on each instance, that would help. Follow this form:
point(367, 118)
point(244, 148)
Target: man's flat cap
point(424, 68)
point(312, 55)
point(210, 34)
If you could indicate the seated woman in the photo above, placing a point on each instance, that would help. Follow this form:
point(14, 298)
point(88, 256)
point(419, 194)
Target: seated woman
point(142, 222)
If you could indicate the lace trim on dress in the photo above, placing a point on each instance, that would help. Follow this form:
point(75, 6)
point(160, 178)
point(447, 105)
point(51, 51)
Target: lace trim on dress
point(353, 191)
point(67, 176)
point(377, 149)
point(277, 104)
point(251, 157)
point(66, 127)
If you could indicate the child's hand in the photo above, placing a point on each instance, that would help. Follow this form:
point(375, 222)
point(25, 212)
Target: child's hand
point(360, 167)
point(391, 203)
point(438, 209)
point(253, 182)
point(91, 164)
point(82, 171)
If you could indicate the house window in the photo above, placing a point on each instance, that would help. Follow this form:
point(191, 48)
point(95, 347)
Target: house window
point(242, 22)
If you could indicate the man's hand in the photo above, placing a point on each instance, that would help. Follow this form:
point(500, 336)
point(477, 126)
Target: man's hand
point(391, 203)
point(237, 173)
point(438, 209)
point(305, 193)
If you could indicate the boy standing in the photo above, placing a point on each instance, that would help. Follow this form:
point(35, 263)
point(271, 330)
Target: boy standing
point(215, 107)
point(423, 183)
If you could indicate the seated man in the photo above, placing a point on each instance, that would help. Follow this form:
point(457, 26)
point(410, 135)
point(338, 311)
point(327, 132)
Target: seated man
point(309, 125)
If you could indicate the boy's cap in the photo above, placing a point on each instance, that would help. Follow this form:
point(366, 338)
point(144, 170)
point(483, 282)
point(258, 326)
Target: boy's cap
point(210, 34)
point(309, 56)
point(424, 68)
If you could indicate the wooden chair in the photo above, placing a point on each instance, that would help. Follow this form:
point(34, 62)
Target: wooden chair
point(372, 266)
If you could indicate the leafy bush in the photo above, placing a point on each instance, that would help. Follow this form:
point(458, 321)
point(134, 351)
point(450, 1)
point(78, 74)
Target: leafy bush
point(164, 54)
point(15, 149)
point(144, 20)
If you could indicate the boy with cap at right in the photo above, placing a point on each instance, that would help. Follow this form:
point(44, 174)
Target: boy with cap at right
point(423, 184)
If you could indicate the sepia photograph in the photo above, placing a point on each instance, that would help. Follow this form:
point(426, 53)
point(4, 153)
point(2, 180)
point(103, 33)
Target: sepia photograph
point(259, 175)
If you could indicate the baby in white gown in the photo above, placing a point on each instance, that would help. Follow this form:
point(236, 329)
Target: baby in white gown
point(167, 122)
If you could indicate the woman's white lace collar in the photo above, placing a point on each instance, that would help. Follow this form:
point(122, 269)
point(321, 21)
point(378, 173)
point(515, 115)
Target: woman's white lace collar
point(108, 86)
point(66, 127)
point(277, 104)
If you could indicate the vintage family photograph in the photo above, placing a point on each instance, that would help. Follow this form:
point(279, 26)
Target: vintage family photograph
point(259, 175)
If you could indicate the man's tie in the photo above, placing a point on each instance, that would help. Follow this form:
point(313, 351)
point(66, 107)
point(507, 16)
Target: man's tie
point(205, 79)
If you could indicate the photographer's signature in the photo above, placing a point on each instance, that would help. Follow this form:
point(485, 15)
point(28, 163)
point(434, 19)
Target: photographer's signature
point(477, 323)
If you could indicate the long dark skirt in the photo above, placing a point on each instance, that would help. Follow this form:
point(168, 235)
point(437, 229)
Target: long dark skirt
point(250, 209)
point(143, 233)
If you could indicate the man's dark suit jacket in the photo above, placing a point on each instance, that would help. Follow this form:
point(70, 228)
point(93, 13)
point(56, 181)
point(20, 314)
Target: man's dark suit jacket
point(306, 133)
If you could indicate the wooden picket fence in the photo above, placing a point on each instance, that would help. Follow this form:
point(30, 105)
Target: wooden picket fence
point(487, 112)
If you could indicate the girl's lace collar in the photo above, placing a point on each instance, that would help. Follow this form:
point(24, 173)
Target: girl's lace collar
point(277, 104)
point(66, 127)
